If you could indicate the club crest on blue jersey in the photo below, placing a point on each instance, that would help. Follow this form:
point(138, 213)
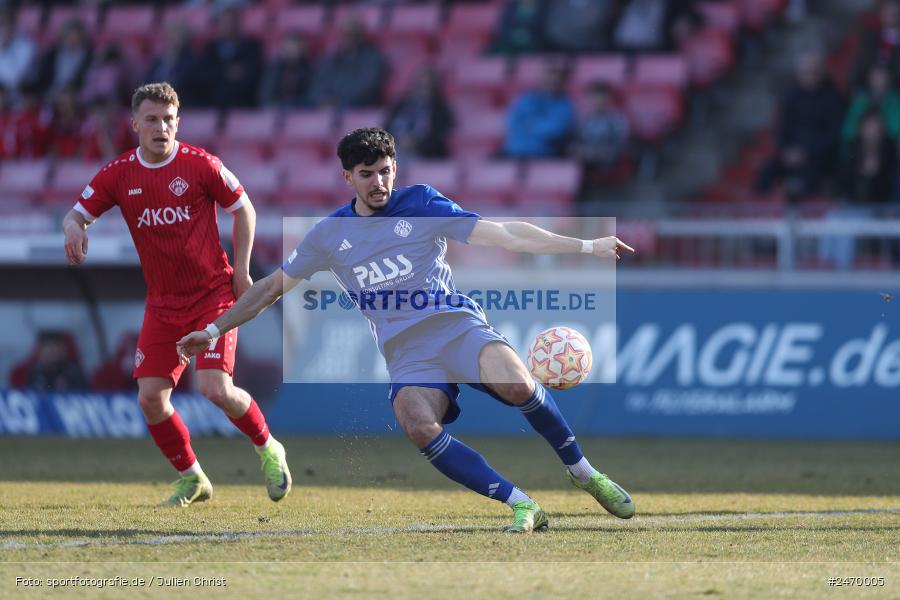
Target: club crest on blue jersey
point(403, 228)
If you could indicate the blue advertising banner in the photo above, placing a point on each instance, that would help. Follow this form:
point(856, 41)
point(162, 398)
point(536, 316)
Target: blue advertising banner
point(686, 363)
point(85, 415)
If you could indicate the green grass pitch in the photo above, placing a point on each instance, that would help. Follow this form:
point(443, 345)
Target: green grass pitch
point(369, 518)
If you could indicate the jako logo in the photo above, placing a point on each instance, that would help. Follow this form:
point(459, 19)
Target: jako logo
point(373, 274)
point(135, 191)
point(164, 216)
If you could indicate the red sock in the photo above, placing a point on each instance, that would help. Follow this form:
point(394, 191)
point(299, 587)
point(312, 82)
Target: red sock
point(253, 424)
point(174, 440)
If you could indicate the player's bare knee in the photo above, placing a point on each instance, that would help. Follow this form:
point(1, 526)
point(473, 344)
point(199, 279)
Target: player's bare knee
point(216, 392)
point(152, 405)
point(422, 433)
point(515, 392)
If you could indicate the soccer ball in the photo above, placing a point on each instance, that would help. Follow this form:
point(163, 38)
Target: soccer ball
point(560, 358)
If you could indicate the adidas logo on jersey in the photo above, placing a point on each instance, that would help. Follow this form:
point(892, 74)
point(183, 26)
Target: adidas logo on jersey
point(164, 216)
point(135, 191)
point(345, 245)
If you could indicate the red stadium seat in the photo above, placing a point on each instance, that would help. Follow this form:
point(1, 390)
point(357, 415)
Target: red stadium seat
point(199, 127)
point(528, 71)
point(491, 183)
point(24, 177)
point(654, 111)
point(68, 181)
point(261, 181)
point(479, 133)
point(18, 376)
point(472, 21)
point(551, 185)
point(404, 69)
point(413, 20)
point(721, 15)
point(60, 15)
point(315, 185)
point(479, 80)
point(29, 19)
point(197, 19)
point(121, 21)
point(443, 175)
point(661, 70)
point(709, 56)
point(308, 19)
point(256, 21)
point(610, 69)
point(756, 14)
point(311, 130)
point(370, 16)
point(357, 118)
point(249, 127)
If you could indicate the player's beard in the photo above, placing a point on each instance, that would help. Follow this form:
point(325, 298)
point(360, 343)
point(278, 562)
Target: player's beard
point(377, 207)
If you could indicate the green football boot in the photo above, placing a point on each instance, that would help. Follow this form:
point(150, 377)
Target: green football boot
point(189, 489)
point(527, 517)
point(608, 493)
point(275, 468)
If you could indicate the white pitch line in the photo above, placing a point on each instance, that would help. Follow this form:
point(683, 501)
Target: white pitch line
point(231, 536)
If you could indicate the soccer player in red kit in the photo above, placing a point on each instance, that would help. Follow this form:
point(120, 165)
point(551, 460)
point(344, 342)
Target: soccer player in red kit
point(167, 192)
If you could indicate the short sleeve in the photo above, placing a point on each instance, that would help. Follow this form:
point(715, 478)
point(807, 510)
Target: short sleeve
point(224, 187)
point(96, 198)
point(308, 257)
point(456, 223)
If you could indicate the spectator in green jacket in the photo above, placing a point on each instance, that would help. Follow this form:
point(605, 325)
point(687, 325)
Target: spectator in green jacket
point(878, 95)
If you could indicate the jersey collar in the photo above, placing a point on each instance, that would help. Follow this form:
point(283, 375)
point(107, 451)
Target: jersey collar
point(159, 164)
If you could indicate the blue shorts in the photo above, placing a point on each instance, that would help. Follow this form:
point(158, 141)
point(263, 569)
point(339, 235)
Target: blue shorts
point(441, 352)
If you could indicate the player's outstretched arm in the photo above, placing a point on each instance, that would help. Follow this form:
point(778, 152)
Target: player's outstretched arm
point(518, 236)
point(258, 298)
point(76, 244)
point(242, 238)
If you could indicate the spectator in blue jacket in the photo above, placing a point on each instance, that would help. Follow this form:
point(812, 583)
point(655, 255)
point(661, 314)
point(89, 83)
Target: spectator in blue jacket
point(540, 121)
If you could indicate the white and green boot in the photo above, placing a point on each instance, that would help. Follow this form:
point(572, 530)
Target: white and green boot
point(189, 489)
point(275, 468)
point(608, 493)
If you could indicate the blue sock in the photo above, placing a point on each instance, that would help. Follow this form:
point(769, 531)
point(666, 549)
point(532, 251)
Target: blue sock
point(466, 467)
point(543, 414)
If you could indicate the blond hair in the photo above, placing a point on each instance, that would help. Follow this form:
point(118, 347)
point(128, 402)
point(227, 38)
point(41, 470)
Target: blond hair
point(162, 93)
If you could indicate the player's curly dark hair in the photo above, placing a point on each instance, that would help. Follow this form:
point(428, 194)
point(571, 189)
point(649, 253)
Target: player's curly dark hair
point(161, 92)
point(365, 146)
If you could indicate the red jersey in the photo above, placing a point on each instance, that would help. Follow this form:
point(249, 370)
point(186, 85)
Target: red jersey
point(170, 209)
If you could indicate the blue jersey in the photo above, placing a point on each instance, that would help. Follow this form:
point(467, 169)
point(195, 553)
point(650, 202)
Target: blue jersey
point(393, 264)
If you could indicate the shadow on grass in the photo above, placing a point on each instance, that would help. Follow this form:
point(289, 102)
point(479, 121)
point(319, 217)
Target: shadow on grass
point(683, 466)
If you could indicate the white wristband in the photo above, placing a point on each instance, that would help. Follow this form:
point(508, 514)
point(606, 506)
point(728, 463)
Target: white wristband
point(213, 331)
point(587, 246)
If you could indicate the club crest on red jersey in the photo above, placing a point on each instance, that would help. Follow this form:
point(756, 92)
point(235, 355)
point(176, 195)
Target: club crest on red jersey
point(138, 358)
point(178, 186)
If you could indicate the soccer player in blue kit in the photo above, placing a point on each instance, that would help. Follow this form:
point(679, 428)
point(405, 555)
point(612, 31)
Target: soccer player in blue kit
point(381, 243)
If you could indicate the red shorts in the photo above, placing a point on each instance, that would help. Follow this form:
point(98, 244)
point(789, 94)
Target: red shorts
point(156, 355)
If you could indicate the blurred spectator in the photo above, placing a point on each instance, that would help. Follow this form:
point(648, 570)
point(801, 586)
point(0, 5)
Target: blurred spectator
point(868, 171)
point(107, 132)
point(879, 95)
point(55, 368)
point(811, 115)
point(353, 74)
point(288, 76)
point(16, 54)
point(422, 120)
point(540, 121)
point(66, 62)
point(66, 125)
point(867, 178)
point(882, 44)
point(7, 128)
point(177, 64)
point(117, 372)
point(578, 25)
point(30, 124)
point(107, 77)
point(520, 27)
point(653, 25)
point(601, 141)
point(232, 64)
